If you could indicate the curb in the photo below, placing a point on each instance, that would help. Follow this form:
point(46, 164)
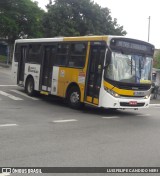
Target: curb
point(5, 65)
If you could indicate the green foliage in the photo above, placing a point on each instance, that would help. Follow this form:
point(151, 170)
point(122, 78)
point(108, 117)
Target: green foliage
point(79, 17)
point(24, 19)
point(3, 59)
point(157, 60)
point(20, 19)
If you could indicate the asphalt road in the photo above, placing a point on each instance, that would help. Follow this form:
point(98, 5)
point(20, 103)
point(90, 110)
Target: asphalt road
point(44, 132)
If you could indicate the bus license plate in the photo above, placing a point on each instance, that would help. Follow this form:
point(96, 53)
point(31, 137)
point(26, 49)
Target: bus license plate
point(133, 103)
point(139, 93)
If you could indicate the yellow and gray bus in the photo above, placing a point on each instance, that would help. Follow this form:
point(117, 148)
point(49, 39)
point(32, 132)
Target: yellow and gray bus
point(103, 71)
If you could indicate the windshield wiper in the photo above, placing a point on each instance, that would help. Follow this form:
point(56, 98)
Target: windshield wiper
point(131, 65)
point(140, 68)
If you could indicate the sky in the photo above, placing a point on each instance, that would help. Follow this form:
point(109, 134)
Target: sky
point(133, 15)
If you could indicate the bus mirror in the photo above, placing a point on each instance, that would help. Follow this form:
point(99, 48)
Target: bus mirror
point(105, 66)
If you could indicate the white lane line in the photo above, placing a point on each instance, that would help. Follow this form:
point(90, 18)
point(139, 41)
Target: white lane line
point(4, 174)
point(154, 105)
point(8, 85)
point(10, 96)
point(63, 121)
point(111, 117)
point(143, 115)
point(24, 94)
point(7, 125)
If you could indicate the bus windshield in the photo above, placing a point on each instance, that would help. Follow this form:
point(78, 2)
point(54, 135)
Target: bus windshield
point(129, 68)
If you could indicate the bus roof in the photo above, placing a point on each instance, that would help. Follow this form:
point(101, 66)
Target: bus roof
point(58, 39)
point(106, 38)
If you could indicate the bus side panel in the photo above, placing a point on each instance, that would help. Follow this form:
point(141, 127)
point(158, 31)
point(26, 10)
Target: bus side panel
point(14, 68)
point(54, 84)
point(14, 71)
point(68, 76)
point(78, 76)
point(34, 71)
point(62, 77)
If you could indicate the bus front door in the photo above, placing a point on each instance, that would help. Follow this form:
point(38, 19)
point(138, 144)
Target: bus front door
point(94, 75)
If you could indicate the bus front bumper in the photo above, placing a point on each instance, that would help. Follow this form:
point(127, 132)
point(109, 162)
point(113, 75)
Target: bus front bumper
point(109, 101)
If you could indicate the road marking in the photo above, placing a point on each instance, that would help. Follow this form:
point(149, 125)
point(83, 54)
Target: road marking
point(7, 125)
point(63, 121)
point(154, 105)
point(143, 115)
point(24, 94)
point(4, 174)
point(111, 117)
point(8, 85)
point(10, 96)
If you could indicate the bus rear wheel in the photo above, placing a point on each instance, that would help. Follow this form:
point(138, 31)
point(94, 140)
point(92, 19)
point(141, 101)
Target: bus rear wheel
point(73, 98)
point(29, 87)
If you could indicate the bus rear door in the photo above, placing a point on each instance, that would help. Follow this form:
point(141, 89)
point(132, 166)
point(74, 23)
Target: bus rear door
point(21, 64)
point(47, 67)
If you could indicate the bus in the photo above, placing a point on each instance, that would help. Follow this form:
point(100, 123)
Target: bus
point(103, 71)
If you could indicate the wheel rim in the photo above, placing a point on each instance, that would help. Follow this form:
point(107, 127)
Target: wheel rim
point(30, 87)
point(74, 98)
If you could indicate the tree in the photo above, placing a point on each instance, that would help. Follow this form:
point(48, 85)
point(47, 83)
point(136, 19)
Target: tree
point(156, 63)
point(20, 19)
point(79, 17)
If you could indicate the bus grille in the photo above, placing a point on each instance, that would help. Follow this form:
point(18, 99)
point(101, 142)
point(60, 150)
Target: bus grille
point(129, 105)
point(132, 87)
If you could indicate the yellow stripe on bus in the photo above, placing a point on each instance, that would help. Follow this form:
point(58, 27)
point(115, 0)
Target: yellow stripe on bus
point(86, 38)
point(117, 90)
point(95, 101)
point(44, 93)
point(89, 99)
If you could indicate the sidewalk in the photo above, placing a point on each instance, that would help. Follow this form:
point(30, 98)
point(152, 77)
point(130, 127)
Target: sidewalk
point(155, 101)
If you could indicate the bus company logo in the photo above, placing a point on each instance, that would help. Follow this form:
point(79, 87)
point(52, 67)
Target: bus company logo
point(6, 171)
point(62, 73)
point(32, 69)
point(29, 68)
point(135, 88)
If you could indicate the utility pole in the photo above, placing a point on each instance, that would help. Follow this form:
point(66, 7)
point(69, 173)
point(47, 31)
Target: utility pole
point(149, 19)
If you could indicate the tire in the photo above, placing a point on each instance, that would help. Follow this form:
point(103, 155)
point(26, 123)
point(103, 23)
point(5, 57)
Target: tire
point(73, 98)
point(29, 87)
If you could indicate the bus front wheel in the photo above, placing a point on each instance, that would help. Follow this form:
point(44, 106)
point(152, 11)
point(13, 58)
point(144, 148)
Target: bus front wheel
point(29, 87)
point(73, 98)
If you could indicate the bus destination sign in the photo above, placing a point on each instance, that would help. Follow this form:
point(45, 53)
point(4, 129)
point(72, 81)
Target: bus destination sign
point(130, 45)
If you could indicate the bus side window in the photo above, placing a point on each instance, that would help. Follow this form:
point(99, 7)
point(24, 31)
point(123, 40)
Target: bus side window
point(34, 53)
point(62, 54)
point(77, 55)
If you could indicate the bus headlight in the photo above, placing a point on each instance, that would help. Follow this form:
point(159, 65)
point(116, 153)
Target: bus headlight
point(111, 92)
point(147, 96)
